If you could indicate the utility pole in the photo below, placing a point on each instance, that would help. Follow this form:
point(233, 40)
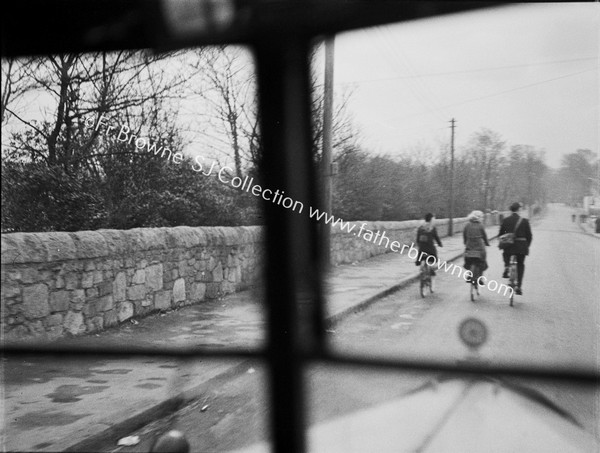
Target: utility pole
point(326, 167)
point(451, 214)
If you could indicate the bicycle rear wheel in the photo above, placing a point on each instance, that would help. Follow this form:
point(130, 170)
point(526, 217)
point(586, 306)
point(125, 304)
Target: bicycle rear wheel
point(474, 290)
point(512, 275)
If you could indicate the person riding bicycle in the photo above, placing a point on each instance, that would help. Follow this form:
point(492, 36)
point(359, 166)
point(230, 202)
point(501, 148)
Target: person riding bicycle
point(426, 235)
point(520, 227)
point(475, 240)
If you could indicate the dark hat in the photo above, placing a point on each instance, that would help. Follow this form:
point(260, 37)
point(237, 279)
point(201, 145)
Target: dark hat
point(515, 206)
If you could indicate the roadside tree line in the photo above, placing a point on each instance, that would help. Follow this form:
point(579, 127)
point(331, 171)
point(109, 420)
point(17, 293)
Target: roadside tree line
point(60, 173)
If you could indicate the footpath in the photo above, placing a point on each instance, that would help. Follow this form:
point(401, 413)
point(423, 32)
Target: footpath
point(72, 404)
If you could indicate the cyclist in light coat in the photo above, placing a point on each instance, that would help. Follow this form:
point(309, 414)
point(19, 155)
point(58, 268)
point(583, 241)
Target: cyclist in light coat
point(475, 241)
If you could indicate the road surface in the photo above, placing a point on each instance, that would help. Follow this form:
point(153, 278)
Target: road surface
point(554, 322)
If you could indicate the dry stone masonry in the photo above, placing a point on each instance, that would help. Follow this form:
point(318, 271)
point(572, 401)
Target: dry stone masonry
point(58, 284)
point(61, 284)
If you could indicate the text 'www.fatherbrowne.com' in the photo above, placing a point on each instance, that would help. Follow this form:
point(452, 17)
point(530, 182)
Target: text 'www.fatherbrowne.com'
point(224, 175)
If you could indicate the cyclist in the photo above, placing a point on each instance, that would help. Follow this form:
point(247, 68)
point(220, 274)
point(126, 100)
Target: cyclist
point(520, 247)
point(475, 241)
point(426, 235)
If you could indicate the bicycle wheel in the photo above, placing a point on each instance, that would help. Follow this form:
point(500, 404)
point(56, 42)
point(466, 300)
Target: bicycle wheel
point(431, 284)
point(512, 274)
point(422, 286)
point(474, 269)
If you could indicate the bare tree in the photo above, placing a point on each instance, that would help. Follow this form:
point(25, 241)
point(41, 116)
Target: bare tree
point(14, 84)
point(227, 85)
point(130, 87)
point(485, 155)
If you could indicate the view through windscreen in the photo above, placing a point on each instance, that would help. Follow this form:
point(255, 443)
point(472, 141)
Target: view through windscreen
point(131, 218)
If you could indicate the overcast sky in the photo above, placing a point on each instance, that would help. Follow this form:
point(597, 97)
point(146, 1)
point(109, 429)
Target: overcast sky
point(528, 72)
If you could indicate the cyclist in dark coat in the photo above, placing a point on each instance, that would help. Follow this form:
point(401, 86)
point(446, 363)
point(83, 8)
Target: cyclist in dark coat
point(426, 234)
point(520, 248)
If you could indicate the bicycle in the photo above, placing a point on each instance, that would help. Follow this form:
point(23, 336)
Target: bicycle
point(426, 277)
point(475, 269)
point(512, 277)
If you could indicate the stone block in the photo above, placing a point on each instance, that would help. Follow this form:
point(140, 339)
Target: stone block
point(120, 287)
point(110, 318)
point(87, 280)
point(73, 323)
point(154, 277)
point(139, 278)
point(16, 319)
point(15, 275)
point(36, 328)
point(125, 311)
point(10, 290)
point(13, 309)
point(77, 299)
point(23, 248)
point(89, 266)
point(54, 320)
point(162, 300)
point(95, 324)
point(182, 267)
point(104, 303)
point(91, 293)
point(136, 292)
point(197, 292)
point(54, 332)
point(98, 277)
point(105, 288)
point(227, 287)
point(90, 244)
point(217, 273)
point(30, 275)
point(35, 301)
point(59, 283)
point(95, 307)
point(179, 290)
point(72, 280)
point(59, 301)
point(213, 290)
point(17, 333)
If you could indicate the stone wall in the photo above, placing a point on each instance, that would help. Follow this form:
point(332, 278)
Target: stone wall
point(58, 284)
point(349, 247)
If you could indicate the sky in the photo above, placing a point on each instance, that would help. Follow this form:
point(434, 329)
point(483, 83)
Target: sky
point(528, 72)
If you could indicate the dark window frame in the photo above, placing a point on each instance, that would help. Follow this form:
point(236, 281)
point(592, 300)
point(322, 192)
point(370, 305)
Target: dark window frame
point(280, 34)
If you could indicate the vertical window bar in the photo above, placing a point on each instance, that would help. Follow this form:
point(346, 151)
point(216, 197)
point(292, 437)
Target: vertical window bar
point(291, 270)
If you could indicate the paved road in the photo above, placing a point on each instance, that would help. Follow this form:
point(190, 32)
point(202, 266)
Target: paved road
point(555, 322)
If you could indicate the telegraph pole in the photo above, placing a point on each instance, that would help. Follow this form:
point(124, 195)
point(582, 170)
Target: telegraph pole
point(326, 167)
point(451, 214)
